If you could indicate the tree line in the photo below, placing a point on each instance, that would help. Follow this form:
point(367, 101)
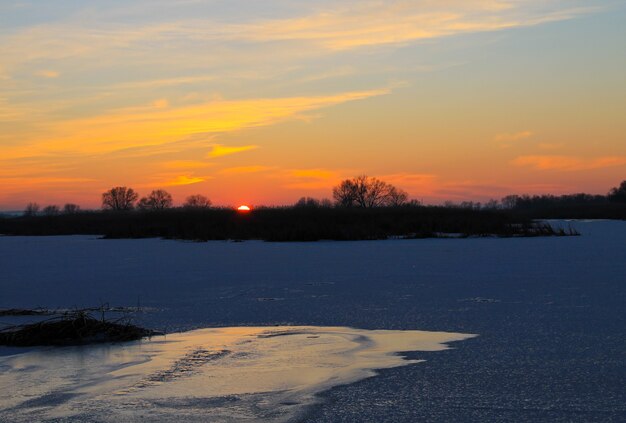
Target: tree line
point(361, 208)
point(359, 192)
point(123, 199)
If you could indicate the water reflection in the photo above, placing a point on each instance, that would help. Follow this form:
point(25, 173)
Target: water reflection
point(225, 374)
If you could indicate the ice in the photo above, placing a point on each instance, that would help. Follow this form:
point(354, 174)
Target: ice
point(222, 374)
point(549, 312)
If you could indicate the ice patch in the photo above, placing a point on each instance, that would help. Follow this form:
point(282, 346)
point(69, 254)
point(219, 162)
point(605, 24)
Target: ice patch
point(219, 375)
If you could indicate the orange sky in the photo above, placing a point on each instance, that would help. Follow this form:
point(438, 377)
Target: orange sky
point(265, 103)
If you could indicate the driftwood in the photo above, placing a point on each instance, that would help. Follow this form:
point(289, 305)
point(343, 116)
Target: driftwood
point(71, 328)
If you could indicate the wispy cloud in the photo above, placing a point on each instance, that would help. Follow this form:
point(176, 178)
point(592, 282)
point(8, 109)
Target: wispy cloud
point(511, 137)
point(157, 125)
point(219, 150)
point(327, 25)
point(186, 164)
point(239, 170)
point(47, 74)
point(551, 145)
point(417, 185)
point(313, 173)
point(184, 180)
point(12, 113)
point(377, 23)
point(310, 179)
point(413, 179)
point(22, 183)
point(162, 82)
point(569, 163)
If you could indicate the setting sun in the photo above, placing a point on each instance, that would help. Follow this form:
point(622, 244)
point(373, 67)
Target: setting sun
point(243, 208)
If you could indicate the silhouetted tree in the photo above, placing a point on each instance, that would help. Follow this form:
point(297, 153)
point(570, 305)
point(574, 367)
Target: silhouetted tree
point(307, 202)
point(345, 194)
point(325, 202)
point(491, 205)
point(548, 201)
point(397, 197)
point(157, 200)
point(197, 201)
point(311, 202)
point(364, 191)
point(119, 198)
point(51, 210)
point(470, 205)
point(618, 194)
point(31, 209)
point(71, 208)
point(510, 201)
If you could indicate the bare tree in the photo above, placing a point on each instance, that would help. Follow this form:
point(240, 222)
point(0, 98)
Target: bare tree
point(197, 201)
point(618, 194)
point(31, 209)
point(119, 198)
point(71, 208)
point(345, 193)
point(51, 210)
point(397, 197)
point(157, 200)
point(367, 192)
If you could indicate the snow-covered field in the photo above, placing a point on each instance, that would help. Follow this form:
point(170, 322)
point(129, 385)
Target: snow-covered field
point(549, 312)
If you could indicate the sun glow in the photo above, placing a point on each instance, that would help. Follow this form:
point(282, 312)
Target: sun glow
point(243, 209)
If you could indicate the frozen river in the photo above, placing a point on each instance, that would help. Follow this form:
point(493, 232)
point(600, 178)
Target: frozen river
point(549, 312)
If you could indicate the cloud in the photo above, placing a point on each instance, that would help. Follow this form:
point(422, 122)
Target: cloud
point(184, 180)
point(185, 164)
point(568, 163)
point(516, 136)
point(551, 146)
point(163, 82)
point(4, 76)
point(352, 25)
point(409, 178)
point(222, 150)
point(12, 113)
point(311, 179)
point(328, 25)
point(150, 126)
point(416, 184)
point(161, 103)
point(313, 173)
point(47, 74)
point(245, 170)
point(21, 183)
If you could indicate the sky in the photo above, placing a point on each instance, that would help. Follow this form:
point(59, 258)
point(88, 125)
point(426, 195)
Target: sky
point(263, 102)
